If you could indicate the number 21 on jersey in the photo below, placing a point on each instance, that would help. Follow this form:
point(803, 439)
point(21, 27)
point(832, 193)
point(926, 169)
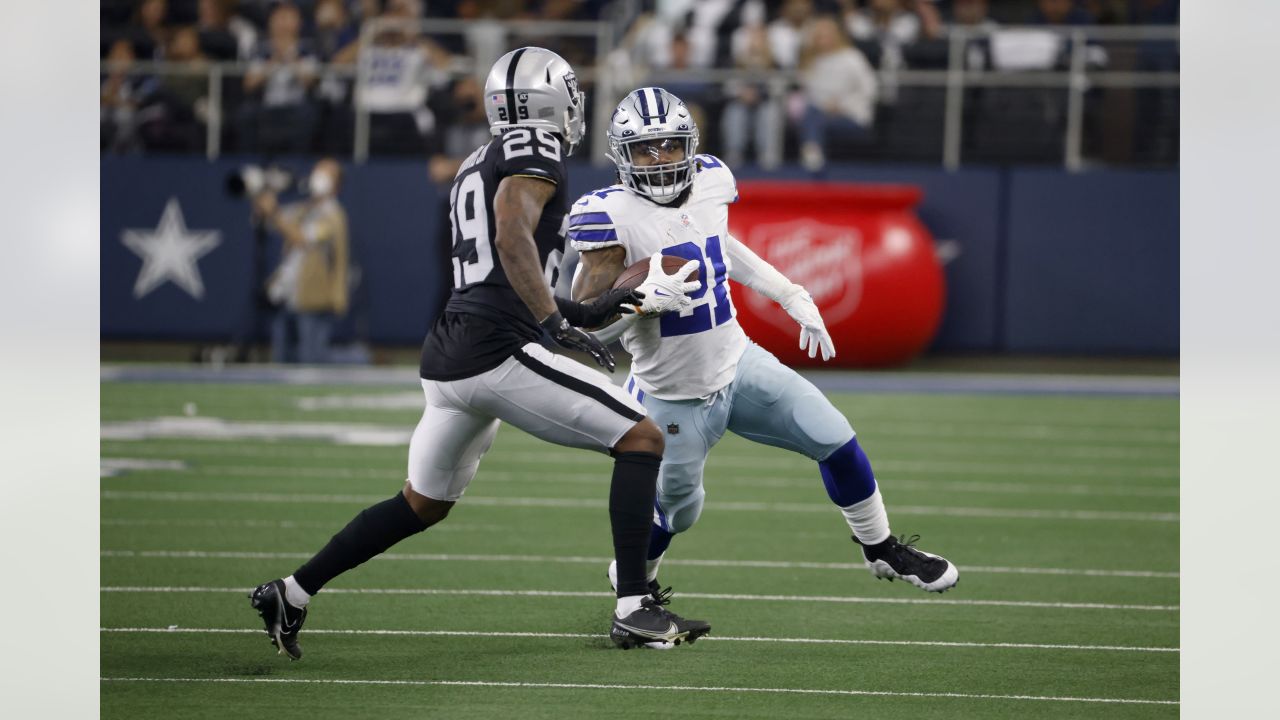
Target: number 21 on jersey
point(709, 309)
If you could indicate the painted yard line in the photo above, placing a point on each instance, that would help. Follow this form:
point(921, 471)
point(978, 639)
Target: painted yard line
point(594, 686)
point(485, 475)
point(377, 434)
point(703, 596)
point(927, 510)
point(580, 560)
point(715, 638)
point(303, 449)
point(413, 401)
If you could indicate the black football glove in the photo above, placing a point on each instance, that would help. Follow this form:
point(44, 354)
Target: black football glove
point(595, 313)
point(568, 336)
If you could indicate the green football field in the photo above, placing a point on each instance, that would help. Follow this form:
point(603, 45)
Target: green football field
point(1060, 511)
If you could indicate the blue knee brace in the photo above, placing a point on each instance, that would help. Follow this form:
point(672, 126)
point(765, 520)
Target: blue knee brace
point(847, 475)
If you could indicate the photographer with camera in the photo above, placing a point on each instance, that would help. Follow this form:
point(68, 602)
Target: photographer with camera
point(309, 288)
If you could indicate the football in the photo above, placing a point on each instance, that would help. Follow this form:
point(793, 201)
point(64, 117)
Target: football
point(633, 276)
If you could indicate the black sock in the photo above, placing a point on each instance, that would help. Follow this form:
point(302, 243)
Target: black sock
point(370, 533)
point(631, 497)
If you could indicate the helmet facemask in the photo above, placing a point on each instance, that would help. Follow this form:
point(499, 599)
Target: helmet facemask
point(639, 164)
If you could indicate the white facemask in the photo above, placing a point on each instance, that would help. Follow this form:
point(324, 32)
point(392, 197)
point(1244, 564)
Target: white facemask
point(320, 184)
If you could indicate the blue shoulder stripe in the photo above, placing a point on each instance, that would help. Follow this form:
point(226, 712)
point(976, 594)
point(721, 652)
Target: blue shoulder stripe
point(591, 218)
point(593, 235)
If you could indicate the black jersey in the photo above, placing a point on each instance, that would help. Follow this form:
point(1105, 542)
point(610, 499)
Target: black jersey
point(485, 320)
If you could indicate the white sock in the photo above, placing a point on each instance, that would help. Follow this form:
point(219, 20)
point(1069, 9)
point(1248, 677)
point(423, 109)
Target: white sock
point(651, 568)
point(628, 605)
point(294, 594)
point(867, 520)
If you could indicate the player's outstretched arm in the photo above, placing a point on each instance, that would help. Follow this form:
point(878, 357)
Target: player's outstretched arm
point(756, 273)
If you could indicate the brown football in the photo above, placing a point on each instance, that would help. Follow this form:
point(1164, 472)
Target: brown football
point(632, 277)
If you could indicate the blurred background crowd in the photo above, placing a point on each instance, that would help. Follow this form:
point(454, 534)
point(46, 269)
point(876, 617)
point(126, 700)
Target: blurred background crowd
point(771, 81)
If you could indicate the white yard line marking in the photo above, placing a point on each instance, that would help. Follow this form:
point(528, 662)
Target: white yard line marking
point(1163, 458)
point(716, 638)
point(380, 434)
point(579, 559)
point(690, 688)
point(944, 511)
point(703, 596)
point(718, 478)
point(112, 466)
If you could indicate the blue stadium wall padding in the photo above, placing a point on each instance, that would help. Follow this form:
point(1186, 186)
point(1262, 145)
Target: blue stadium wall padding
point(1047, 261)
point(1092, 263)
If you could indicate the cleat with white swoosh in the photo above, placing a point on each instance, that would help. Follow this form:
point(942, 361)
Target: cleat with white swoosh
point(653, 624)
point(282, 620)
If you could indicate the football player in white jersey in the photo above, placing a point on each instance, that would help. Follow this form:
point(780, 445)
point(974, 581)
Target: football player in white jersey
point(693, 367)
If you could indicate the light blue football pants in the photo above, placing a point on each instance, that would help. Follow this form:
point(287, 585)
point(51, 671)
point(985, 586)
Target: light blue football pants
point(767, 402)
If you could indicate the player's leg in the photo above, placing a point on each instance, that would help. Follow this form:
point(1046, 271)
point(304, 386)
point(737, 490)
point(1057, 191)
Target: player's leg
point(774, 405)
point(565, 402)
point(692, 428)
point(444, 453)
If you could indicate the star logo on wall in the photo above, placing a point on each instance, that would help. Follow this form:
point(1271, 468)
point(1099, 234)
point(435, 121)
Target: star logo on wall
point(170, 252)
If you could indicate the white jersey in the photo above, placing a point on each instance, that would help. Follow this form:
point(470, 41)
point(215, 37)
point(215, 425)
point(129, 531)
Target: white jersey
point(694, 353)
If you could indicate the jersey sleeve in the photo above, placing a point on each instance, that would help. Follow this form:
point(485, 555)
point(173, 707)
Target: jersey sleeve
point(590, 226)
point(523, 152)
point(717, 179)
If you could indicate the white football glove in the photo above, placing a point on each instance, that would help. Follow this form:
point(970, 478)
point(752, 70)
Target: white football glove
point(665, 293)
point(813, 332)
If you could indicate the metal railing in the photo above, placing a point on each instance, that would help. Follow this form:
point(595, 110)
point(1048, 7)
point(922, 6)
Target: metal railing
point(955, 80)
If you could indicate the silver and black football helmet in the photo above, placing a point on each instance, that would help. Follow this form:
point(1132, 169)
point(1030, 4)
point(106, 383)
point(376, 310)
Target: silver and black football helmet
point(649, 120)
point(534, 87)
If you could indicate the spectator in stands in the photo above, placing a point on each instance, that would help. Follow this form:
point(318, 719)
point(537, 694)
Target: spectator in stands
point(336, 37)
point(1066, 12)
point(310, 286)
point(465, 125)
point(173, 112)
point(749, 118)
point(974, 15)
point(150, 33)
point(333, 27)
point(840, 90)
point(674, 77)
point(122, 93)
point(786, 34)
point(279, 116)
point(224, 35)
point(401, 66)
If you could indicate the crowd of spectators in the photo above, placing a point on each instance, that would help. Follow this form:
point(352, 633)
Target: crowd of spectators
point(292, 89)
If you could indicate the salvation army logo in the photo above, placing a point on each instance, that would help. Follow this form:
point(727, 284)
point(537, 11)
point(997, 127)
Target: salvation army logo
point(825, 259)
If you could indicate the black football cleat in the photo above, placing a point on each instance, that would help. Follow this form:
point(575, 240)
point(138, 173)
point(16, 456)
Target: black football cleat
point(655, 626)
point(899, 558)
point(282, 620)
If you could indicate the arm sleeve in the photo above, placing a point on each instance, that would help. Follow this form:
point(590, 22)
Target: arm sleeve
point(590, 226)
point(753, 271)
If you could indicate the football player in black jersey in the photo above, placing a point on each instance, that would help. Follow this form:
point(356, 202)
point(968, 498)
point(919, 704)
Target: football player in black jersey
point(482, 362)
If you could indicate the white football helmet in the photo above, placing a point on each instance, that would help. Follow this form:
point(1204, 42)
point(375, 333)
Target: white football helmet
point(647, 115)
point(534, 87)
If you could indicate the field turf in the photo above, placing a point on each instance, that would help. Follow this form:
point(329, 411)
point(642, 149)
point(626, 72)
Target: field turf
point(1060, 511)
